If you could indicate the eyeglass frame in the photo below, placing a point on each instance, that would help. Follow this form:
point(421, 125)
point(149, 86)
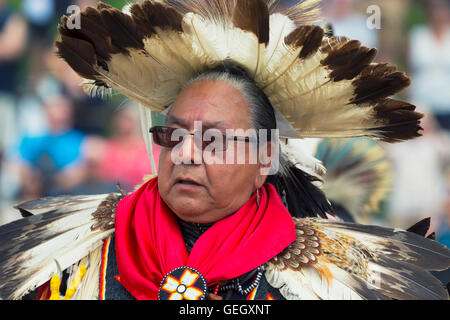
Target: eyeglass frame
point(187, 133)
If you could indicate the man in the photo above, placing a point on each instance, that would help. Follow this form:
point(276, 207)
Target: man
point(209, 226)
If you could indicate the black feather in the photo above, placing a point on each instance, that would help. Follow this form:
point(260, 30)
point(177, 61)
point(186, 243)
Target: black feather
point(301, 197)
point(421, 228)
point(341, 212)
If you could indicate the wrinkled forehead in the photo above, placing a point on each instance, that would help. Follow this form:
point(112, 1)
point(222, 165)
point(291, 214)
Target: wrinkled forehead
point(217, 104)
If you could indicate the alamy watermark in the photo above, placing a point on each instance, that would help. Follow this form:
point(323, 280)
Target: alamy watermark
point(374, 19)
point(74, 19)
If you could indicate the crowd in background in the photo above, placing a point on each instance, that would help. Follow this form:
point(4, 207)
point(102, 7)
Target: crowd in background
point(54, 139)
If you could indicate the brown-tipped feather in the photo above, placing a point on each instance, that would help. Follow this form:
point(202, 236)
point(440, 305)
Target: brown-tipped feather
point(149, 15)
point(94, 31)
point(395, 111)
point(110, 31)
point(310, 37)
point(378, 82)
point(399, 133)
point(401, 121)
point(80, 54)
point(253, 16)
point(348, 60)
point(141, 15)
point(122, 29)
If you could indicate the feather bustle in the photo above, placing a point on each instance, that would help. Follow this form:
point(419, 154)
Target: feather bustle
point(59, 229)
point(365, 262)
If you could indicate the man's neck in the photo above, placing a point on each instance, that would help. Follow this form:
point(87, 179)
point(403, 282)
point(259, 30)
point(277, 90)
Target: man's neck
point(192, 231)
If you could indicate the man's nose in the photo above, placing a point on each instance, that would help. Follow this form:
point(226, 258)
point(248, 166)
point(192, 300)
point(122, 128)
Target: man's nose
point(189, 152)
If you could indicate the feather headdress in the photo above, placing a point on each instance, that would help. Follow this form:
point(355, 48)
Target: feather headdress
point(323, 86)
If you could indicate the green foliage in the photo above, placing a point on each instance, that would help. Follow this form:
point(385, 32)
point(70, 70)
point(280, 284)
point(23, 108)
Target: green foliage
point(417, 15)
point(15, 3)
point(117, 3)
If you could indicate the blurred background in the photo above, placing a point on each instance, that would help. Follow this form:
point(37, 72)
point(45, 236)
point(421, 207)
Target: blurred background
point(55, 140)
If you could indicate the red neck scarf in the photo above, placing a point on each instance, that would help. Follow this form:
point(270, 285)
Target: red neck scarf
point(149, 243)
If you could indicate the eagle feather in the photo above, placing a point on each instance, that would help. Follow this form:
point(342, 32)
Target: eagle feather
point(324, 86)
point(336, 260)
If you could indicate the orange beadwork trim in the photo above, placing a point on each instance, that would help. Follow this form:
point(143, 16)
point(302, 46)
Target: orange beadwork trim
point(102, 284)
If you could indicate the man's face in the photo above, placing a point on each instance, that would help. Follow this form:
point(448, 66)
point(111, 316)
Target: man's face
point(219, 189)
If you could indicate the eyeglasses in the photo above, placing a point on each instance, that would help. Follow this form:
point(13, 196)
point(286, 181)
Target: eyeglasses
point(170, 137)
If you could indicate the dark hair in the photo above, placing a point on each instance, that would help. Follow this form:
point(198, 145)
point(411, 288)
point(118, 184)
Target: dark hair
point(262, 114)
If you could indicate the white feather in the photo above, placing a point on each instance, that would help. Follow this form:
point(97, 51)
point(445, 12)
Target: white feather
point(302, 156)
point(292, 285)
point(89, 287)
point(67, 239)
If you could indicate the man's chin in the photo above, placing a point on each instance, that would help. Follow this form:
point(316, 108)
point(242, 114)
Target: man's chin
point(186, 208)
point(192, 216)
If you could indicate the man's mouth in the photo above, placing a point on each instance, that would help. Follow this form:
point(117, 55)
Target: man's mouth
point(187, 182)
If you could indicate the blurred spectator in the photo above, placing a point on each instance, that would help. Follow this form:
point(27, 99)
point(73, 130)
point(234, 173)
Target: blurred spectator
point(42, 16)
point(13, 38)
point(419, 188)
point(39, 13)
point(50, 163)
point(348, 22)
point(123, 158)
point(430, 62)
point(90, 178)
point(59, 77)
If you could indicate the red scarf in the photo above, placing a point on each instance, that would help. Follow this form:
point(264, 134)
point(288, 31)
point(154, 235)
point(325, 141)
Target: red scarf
point(149, 243)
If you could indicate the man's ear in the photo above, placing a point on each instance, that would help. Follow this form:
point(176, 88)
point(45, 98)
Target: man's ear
point(265, 161)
